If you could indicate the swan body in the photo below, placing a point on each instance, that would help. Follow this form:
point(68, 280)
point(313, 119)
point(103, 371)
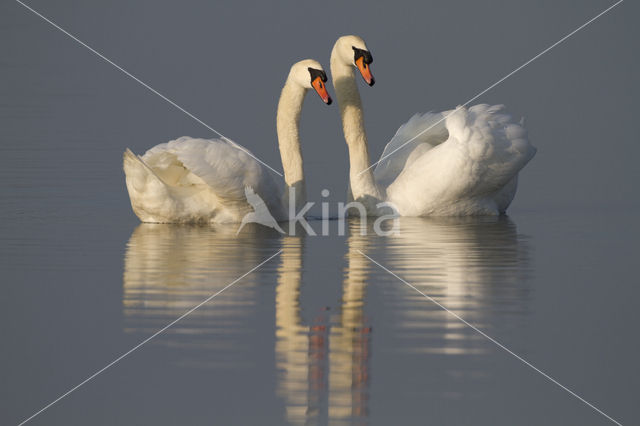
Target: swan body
point(459, 162)
point(191, 180)
point(197, 180)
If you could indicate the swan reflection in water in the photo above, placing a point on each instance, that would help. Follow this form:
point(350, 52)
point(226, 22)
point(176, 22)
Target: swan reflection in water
point(168, 269)
point(330, 355)
point(477, 267)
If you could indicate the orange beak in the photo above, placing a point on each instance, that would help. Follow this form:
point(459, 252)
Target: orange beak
point(321, 89)
point(365, 70)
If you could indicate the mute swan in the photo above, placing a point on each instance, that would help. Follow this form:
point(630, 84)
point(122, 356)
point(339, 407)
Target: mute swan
point(204, 180)
point(460, 162)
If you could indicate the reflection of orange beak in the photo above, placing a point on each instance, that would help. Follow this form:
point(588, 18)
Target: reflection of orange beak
point(365, 70)
point(321, 89)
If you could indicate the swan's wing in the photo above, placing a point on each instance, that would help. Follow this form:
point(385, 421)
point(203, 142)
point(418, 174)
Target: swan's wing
point(422, 131)
point(224, 166)
point(483, 154)
point(498, 146)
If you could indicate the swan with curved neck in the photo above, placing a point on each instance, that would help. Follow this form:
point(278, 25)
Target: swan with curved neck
point(210, 180)
point(350, 52)
point(288, 123)
point(452, 163)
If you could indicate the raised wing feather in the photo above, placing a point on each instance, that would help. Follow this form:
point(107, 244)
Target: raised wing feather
point(223, 165)
point(422, 131)
point(206, 178)
point(470, 171)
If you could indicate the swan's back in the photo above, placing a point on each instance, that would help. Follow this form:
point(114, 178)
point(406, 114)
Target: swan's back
point(196, 180)
point(473, 172)
point(422, 132)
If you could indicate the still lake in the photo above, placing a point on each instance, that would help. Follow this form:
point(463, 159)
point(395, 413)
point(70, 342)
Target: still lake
point(319, 334)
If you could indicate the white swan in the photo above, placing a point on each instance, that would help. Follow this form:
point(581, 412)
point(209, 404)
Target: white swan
point(204, 180)
point(460, 162)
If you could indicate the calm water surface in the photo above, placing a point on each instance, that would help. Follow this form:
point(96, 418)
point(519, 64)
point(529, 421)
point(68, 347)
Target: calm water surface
point(319, 334)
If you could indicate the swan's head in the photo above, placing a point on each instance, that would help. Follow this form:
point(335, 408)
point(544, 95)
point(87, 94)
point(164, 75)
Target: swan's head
point(310, 75)
point(352, 50)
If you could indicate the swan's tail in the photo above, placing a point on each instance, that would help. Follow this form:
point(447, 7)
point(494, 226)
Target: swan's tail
point(144, 186)
point(138, 173)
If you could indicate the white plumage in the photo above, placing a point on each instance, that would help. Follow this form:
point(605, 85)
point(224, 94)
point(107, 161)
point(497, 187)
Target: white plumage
point(197, 180)
point(465, 165)
point(458, 162)
point(204, 180)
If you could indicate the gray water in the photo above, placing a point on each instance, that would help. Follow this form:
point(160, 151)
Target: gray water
point(319, 334)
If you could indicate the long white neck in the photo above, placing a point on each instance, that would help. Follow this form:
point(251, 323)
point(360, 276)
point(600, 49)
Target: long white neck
point(361, 179)
point(287, 123)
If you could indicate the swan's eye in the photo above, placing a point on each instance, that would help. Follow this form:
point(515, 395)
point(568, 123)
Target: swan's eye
point(317, 74)
point(361, 53)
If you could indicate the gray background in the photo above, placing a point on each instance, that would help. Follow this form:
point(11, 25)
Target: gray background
point(67, 227)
